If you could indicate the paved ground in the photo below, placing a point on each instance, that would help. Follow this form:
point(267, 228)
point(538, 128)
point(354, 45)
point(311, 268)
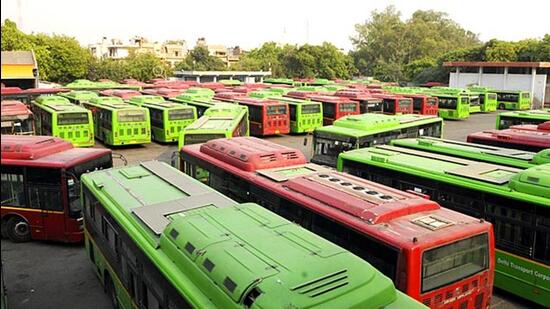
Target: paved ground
point(47, 275)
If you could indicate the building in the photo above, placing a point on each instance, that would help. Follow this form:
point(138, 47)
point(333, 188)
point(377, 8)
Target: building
point(229, 55)
point(19, 69)
point(169, 51)
point(525, 76)
point(214, 76)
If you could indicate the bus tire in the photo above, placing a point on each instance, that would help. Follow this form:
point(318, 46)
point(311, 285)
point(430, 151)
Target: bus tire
point(18, 230)
point(110, 290)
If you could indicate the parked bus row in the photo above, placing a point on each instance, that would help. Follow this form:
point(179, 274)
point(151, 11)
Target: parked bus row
point(160, 239)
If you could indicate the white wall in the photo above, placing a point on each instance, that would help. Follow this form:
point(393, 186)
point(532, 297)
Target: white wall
point(503, 82)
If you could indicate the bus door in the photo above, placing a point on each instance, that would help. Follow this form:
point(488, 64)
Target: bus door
point(44, 193)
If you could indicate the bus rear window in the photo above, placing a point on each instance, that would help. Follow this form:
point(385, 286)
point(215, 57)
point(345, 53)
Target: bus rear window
point(465, 100)
point(200, 138)
point(405, 103)
point(276, 110)
point(181, 114)
point(72, 118)
point(432, 101)
point(448, 103)
point(453, 262)
point(131, 116)
point(311, 108)
point(491, 96)
point(348, 107)
point(525, 95)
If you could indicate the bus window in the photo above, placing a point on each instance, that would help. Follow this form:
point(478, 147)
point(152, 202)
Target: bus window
point(417, 103)
point(73, 189)
point(255, 113)
point(525, 95)
point(464, 100)
point(431, 101)
point(13, 192)
point(449, 263)
point(156, 118)
point(329, 110)
point(293, 111)
point(276, 110)
point(181, 114)
point(311, 108)
point(131, 116)
point(389, 106)
point(404, 103)
point(347, 107)
point(447, 103)
point(72, 118)
point(241, 129)
point(43, 189)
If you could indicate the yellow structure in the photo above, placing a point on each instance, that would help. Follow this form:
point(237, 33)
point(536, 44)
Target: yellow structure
point(19, 69)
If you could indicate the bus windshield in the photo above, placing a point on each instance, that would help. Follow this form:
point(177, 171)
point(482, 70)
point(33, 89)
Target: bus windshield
point(276, 110)
point(449, 263)
point(347, 107)
point(181, 114)
point(72, 118)
point(131, 116)
point(448, 103)
point(331, 147)
point(311, 108)
point(405, 103)
point(191, 138)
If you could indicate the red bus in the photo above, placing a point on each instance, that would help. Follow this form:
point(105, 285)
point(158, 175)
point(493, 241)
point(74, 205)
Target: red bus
point(41, 188)
point(523, 137)
point(302, 95)
point(166, 93)
point(27, 95)
point(336, 107)
point(17, 118)
point(367, 103)
point(211, 85)
point(423, 104)
point(395, 104)
point(436, 255)
point(124, 94)
point(228, 96)
point(267, 117)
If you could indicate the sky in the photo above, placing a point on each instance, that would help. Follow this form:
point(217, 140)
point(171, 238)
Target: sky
point(249, 23)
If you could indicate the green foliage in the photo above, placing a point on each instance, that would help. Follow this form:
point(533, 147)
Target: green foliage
point(60, 58)
point(115, 70)
point(146, 66)
point(500, 51)
point(322, 61)
point(198, 59)
point(392, 49)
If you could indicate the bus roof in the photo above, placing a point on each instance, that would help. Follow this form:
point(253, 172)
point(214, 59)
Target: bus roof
point(124, 94)
point(184, 223)
point(330, 99)
point(14, 108)
point(483, 176)
point(250, 153)
point(292, 101)
point(478, 152)
point(6, 91)
point(45, 151)
point(225, 109)
point(112, 103)
point(57, 104)
point(366, 124)
point(535, 113)
point(157, 102)
point(361, 203)
point(256, 101)
point(528, 135)
point(80, 95)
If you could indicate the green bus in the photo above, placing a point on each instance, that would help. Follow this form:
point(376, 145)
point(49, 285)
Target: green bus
point(365, 130)
point(515, 100)
point(117, 123)
point(487, 98)
point(230, 82)
point(280, 81)
point(305, 115)
point(56, 116)
point(84, 84)
point(477, 152)
point(512, 118)
point(453, 106)
point(168, 119)
point(79, 96)
point(158, 238)
point(515, 201)
point(203, 93)
point(265, 93)
point(219, 121)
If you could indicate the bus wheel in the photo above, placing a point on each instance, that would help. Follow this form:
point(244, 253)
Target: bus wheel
point(501, 106)
point(18, 230)
point(111, 292)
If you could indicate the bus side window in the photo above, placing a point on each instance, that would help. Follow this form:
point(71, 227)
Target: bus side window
point(13, 192)
point(542, 249)
point(44, 188)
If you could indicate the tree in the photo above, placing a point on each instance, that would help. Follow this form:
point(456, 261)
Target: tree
point(389, 48)
point(199, 59)
point(60, 58)
point(111, 69)
point(265, 58)
point(500, 51)
point(146, 66)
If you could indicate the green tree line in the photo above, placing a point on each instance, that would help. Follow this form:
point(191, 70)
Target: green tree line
point(385, 46)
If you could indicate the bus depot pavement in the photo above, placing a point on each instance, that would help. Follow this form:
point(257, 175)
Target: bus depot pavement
point(53, 275)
